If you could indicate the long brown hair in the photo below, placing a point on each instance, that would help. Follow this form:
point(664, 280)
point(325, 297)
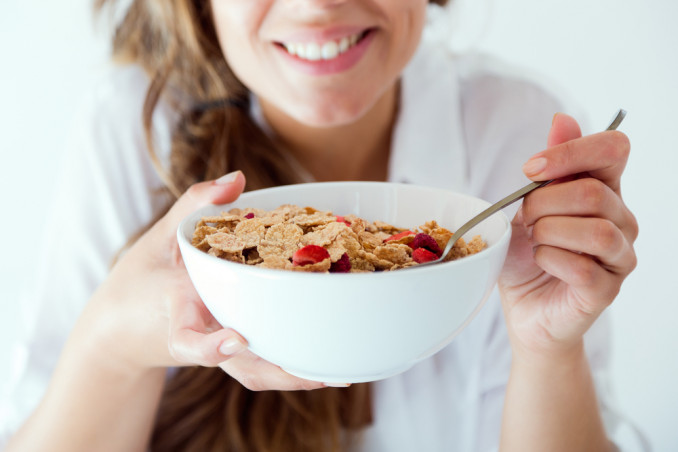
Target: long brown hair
point(204, 409)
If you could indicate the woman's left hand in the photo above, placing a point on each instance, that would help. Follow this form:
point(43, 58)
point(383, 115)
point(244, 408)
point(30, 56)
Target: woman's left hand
point(572, 243)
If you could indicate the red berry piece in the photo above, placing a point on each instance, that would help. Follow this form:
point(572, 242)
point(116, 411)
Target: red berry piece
point(398, 236)
point(343, 265)
point(250, 215)
point(341, 219)
point(427, 242)
point(310, 254)
point(421, 255)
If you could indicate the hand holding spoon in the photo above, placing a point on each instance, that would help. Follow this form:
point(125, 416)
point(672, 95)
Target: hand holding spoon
point(510, 199)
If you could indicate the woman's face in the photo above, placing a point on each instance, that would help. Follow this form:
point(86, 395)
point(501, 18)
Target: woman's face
point(322, 62)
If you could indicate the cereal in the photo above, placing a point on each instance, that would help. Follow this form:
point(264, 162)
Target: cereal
point(281, 239)
point(401, 237)
point(200, 237)
point(225, 241)
point(305, 239)
point(394, 253)
point(251, 231)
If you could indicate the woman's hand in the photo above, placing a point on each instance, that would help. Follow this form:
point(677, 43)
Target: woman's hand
point(572, 243)
point(148, 314)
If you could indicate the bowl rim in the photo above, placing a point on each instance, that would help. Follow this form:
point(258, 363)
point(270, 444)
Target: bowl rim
point(273, 273)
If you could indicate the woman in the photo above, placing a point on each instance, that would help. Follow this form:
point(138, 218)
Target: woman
point(284, 92)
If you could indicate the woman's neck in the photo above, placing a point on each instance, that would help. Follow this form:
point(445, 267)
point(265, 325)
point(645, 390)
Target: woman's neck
point(356, 151)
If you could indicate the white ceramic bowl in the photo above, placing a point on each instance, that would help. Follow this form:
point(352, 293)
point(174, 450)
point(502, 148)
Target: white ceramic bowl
point(352, 327)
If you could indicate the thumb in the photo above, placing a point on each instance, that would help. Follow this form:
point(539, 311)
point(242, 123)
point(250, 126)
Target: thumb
point(563, 128)
point(220, 191)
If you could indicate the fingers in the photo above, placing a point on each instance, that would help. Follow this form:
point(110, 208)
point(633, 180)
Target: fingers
point(594, 237)
point(602, 156)
point(195, 337)
point(257, 374)
point(221, 191)
point(191, 347)
point(586, 197)
point(581, 230)
point(594, 286)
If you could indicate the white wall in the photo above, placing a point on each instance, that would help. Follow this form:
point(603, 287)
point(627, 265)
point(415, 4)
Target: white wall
point(607, 54)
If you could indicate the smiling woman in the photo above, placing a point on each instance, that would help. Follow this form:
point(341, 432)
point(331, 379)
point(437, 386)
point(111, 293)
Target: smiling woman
point(318, 90)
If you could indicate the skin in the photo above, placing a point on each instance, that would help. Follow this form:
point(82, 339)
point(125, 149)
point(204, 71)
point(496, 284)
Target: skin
point(571, 249)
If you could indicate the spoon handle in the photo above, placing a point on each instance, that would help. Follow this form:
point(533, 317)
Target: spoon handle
point(507, 201)
point(510, 199)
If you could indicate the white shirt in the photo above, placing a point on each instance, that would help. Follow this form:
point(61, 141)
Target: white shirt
point(465, 123)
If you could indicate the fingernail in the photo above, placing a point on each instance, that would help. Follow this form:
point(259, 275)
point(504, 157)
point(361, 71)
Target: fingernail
point(227, 178)
point(554, 118)
point(534, 166)
point(337, 385)
point(231, 346)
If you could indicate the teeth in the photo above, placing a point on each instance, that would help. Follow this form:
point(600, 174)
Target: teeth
point(344, 45)
point(314, 51)
point(329, 50)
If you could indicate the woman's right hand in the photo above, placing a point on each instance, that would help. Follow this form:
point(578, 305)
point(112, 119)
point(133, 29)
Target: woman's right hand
point(147, 313)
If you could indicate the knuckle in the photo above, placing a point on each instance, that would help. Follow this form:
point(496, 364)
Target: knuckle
point(618, 145)
point(633, 227)
point(633, 261)
point(585, 274)
point(593, 194)
point(566, 156)
point(605, 235)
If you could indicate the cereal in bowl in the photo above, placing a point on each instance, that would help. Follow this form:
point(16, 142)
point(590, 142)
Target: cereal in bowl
point(305, 239)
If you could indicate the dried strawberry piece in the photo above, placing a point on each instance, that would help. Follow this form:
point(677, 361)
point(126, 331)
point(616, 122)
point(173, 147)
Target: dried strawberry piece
point(250, 215)
point(343, 265)
point(310, 254)
point(398, 236)
point(421, 255)
point(427, 242)
point(341, 219)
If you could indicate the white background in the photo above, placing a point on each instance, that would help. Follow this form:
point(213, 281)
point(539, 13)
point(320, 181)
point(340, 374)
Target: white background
point(606, 54)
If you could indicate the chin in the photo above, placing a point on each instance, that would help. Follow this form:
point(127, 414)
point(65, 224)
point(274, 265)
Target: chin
point(331, 114)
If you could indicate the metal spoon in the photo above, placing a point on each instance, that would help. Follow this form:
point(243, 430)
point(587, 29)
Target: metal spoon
point(510, 199)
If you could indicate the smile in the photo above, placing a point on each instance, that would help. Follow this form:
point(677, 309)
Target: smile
point(328, 50)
